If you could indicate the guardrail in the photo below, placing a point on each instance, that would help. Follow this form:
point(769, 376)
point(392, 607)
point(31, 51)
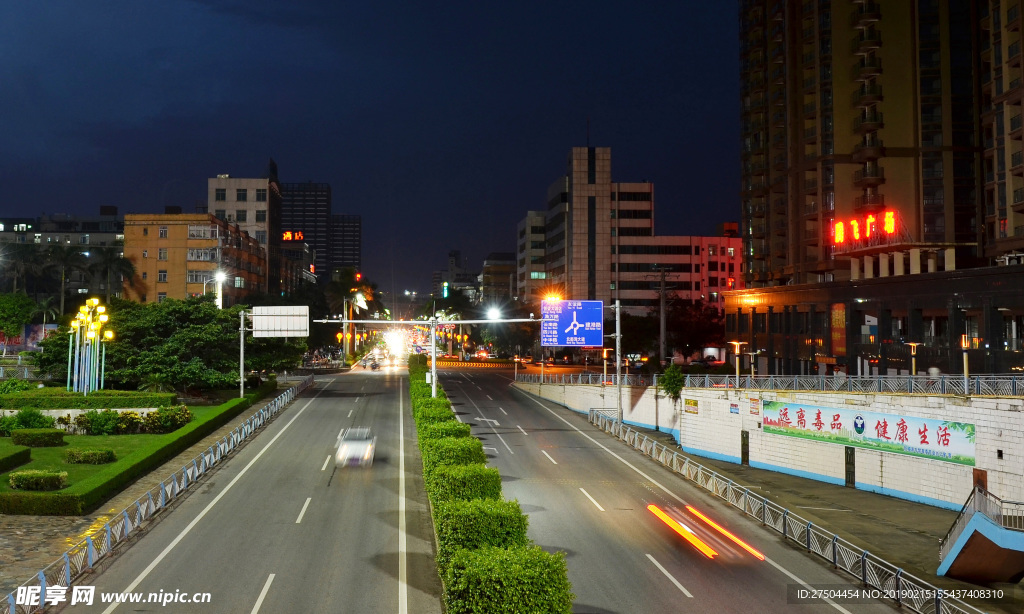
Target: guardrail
point(869, 569)
point(1007, 514)
point(84, 555)
point(987, 385)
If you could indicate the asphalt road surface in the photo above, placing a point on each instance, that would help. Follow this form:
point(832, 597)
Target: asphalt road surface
point(588, 495)
point(279, 529)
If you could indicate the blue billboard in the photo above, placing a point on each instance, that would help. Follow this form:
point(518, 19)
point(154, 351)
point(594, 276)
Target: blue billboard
point(572, 323)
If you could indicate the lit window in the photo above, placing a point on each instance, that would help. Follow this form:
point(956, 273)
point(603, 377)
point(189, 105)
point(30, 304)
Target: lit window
point(163, 232)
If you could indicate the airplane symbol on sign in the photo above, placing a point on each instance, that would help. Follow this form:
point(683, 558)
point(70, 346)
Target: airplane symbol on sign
point(574, 326)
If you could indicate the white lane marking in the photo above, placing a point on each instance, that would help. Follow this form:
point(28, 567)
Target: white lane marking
point(263, 595)
point(659, 485)
point(338, 438)
point(303, 512)
point(521, 429)
point(549, 456)
point(325, 463)
point(669, 576)
point(479, 411)
point(403, 586)
point(592, 499)
point(488, 397)
point(503, 411)
point(350, 413)
point(160, 557)
point(479, 388)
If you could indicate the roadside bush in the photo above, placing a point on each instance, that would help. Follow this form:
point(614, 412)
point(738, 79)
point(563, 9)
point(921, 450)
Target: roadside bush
point(462, 482)
point(37, 479)
point(38, 438)
point(167, 419)
point(129, 423)
point(519, 580)
point(59, 398)
point(15, 385)
point(433, 416)
point(89, 457)
point(451, 451)
point(95, 422)
point(448, 428)
point(475, 524)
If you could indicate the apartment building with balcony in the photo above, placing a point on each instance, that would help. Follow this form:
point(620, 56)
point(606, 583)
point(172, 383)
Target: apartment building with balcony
point(178, 255)
point(531, 276)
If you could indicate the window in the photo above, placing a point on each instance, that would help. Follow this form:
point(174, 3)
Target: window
point(261, 195)
point(161, 253)
point(161, 276)
point(83, 239)
point(145, 231)
point(712, 249)
point(239, 282)
point(241, 215)
point(142, 298)
point(220, 214)
point(732, 252)
point(145, 275)
point(538, 275)
point(261, 215)
point(199, 277)
point(145, 253)
point(161, 296)
point(261, 236)
point(241, 195)
point(163, 232)
point(220, 194)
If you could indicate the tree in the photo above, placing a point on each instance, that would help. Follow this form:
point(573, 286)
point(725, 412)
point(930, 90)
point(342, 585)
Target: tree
point(19, 259)
point(671, 381)
point(46, 307)
point(16, 310)
point(64, 260)
point(108, 262)
point(693, 325)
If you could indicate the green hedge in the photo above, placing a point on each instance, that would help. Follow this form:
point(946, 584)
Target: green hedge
point(85, 496)
point(59, 398)
point(451, 451)
point(429, 404)
point(36, 479)
point(89, 457)
point(448, 428)
point(465, 482)
point(14, 457)
point(38, 438)
point(475, 524)
point(518, 580)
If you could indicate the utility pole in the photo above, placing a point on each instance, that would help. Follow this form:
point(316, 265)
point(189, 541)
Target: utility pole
point(661, 330)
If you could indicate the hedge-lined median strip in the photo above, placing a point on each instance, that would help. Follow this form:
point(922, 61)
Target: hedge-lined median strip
point(485, 560)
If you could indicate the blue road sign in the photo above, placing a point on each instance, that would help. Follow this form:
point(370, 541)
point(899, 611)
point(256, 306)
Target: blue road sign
point(572, 323)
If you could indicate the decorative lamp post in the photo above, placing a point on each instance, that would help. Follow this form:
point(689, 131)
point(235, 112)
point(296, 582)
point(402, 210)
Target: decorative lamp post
point(964, 344)
point(736, 350)
point(108, 336)
point(84, 355)
point(913, 357)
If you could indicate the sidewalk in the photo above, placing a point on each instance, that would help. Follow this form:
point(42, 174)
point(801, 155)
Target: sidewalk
point(903, 533)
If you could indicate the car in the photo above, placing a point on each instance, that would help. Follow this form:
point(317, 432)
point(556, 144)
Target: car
point(356, 447)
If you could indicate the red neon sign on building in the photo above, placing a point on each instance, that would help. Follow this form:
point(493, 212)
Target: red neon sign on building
point(863, 228)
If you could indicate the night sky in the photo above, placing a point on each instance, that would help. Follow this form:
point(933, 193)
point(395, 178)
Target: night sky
point(440, 123)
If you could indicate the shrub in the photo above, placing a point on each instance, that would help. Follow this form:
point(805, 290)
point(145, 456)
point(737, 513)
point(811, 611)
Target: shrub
point(433, 416)
point(451, 451)
point(38, 438)
point(33, 419)
point(89, 457)
point(38, 479)
point(59, 398)
point(13, 458)
point(15, 385)
point(8, 424)
point(465, 482)
point(98, 422)
point(129, 423)
point(475, 524)
point(517, 580)
point(448, 428)
point(167, 419)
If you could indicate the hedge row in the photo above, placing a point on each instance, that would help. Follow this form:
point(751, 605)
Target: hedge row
point(484, 557)
point(38, 438)
point(38, 479)
point(25, 419)
point(85, 496)
point(59, 398)
point(89, 457)
point(11, 458)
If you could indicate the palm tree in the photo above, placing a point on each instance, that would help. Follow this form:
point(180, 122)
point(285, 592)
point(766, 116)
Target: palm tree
point(65, 259)
point(19, 259)
point(45, 308)
point(109, 262)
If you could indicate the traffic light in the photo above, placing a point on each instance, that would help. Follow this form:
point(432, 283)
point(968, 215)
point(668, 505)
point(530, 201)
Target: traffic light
point(359, 277)
point(444, 290)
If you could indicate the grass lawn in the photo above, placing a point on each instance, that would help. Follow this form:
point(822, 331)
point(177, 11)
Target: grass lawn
point(122, 445)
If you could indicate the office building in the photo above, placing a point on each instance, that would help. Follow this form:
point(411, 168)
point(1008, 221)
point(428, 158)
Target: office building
point(346, 244)
point(531, 276)
point(306, 218)
point(497, 278)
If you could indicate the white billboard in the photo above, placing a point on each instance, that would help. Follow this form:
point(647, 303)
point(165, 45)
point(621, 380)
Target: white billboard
point(280, 321)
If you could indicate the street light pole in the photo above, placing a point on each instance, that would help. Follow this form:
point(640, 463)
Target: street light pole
point(736, 351)
point(618, 362)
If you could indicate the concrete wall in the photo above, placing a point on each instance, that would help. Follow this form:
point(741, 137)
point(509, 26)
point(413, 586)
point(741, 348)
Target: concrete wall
point(713, 431)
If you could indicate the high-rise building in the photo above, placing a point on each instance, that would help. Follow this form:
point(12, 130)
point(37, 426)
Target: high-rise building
point(531, 276)
point(346, 246)
point(497, 278)
point(860, 138)
point(306, 215)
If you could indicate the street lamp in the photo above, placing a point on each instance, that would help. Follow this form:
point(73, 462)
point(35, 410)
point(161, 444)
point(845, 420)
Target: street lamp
point(913, 356)
point(736, 351)
point(752, 355)
point(108, 336)
point(218, 277)
point(84, 359)
point(964, 344)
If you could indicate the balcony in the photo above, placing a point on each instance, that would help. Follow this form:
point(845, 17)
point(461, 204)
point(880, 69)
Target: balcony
point(1017, 163)
point(781, 227)
point(867, 41)
point(810, 133)
point(758, 210)
point(869, 202)
point(811, 234)
point(779, 206)
point(868, 68)
point(778, 54)
point(810, 186)
point(758, 230)
point(1018, 197)
point(808, 59)
point(809, 84)
point(869, 122)
point(865, 14)
point(867, 95)
point(810, 109)
point(779, 162)
point(868, 178)
point(1013, 18)
point(811, 208)
point(1013, 55)
point(868, 151)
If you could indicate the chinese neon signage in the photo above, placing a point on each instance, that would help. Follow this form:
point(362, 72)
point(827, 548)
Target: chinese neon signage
point(292, 235)
point(871, 225)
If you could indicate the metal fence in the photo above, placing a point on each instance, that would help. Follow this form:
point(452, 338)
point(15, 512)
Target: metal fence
point(872, 571)
point(987, 385)
point(1007, 514)
point(84, 555)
